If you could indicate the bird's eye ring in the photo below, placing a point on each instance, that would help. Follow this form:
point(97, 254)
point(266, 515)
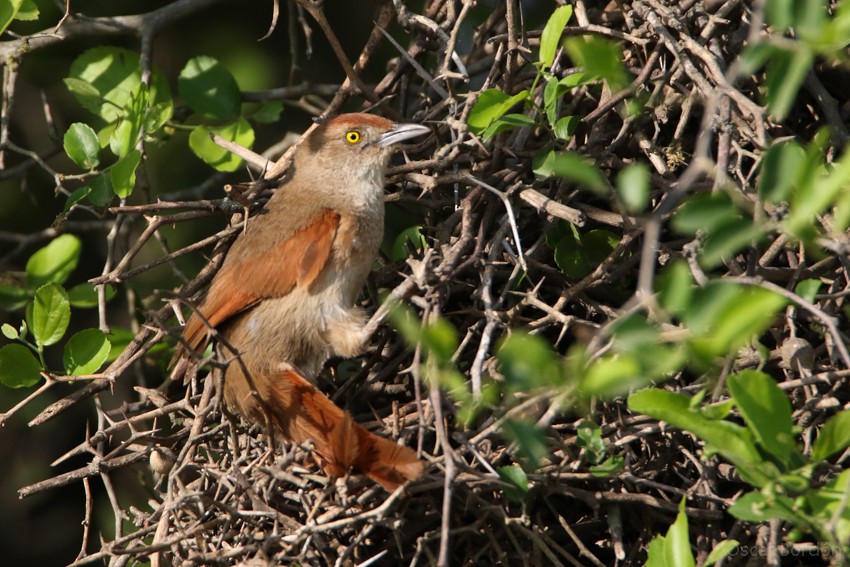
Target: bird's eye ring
point(352, 136)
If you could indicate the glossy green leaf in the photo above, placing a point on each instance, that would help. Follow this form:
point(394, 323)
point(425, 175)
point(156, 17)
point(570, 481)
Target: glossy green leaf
point(676, 287)
point(210, 89)
point(551, 36)
point(785, 73)
point(9, 331)
point(780, 169)
point(84, 295)
point(156, 116)
point(85, 352)
point(213, 154)
point(633, 187)
point(517, 480)
point(125, 135)
point(55, 262)
point(122, 175)
point(13, 297)
point(741, 317)
point(439, 339)
point(269, 112)
point(18, 367)
point(565, 127)
point(834, 437)
point(728, 238)
point(527, 362)
point(532, 445)
point(704, 213)
point(732, 441)
point(28, 12)
point(81, 145)
point(102, 191)
point(51, 313)
point(8, 11)
point(507, 122)
point(601, 57)
point(113, 75)
point(555, 89)
point(721, 551)
point(568, 165)
point(808, 289)
point(757, 508)
point(611, 375)
point(75, 197)
point(767, 412)
point(491, 105)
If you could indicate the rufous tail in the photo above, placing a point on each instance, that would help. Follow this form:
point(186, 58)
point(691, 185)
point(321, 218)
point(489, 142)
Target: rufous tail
point(303, 413)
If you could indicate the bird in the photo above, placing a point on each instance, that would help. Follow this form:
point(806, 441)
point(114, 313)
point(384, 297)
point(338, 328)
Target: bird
point(284, 299)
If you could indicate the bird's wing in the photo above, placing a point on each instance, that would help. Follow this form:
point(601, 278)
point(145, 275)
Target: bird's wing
point(272, 270)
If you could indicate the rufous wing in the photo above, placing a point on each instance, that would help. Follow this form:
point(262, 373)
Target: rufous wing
point(264, 268)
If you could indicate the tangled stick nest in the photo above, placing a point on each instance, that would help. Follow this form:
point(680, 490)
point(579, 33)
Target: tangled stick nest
point(221, 495)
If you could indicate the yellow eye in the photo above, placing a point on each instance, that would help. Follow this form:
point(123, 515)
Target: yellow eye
point(352, 136)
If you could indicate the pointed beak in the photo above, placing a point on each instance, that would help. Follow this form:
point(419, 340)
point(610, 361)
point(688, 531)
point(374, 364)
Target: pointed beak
point(401, 132)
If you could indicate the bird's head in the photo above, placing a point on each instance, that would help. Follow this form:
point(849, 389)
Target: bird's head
point(355, 147)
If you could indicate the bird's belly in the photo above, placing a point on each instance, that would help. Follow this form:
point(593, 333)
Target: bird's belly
point(295, 329)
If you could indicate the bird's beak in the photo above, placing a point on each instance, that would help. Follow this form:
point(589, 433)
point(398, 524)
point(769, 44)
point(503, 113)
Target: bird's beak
point(401, 132)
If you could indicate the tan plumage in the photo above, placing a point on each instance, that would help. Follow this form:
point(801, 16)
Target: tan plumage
point(285, 295)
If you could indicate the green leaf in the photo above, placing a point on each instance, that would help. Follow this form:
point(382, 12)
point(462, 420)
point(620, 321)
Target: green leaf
point(555, 89)
point(439, 339)
point(741, 316)
point(157, 115)
point(13, 297)
point(51, 313)
point(8, 11)
point(122, 174)
point(808, 289)
point(551, 36)
point(81, 145)
point(532, 445)
point(727, 239)
point(611, 375)
point(732, 441)
point(269, 112)
point(784, 75)
point(209, 89)
point(780, 169)
point(112, 75)
point(28, 12)
point(678, 546)
point(213, 154)
point(491, 105)
point(565, 127)
point(408, 240)
point(75, 197)
point(779, 13)
point(568, 165)
point(633, 187)
point(834, 437)
point(609, 467)
point(756, 507)
point(527, 362)
point(55, 262)
point(84, 295)
point(85, 352)
point(601, 57)
point(507, 122)
point(517, 480)
point(817, 192)
point(704, 213)
point(125, 135)
point(767, 412)
point(721, 551)
point(9, 331)
point(676, 287)
point(119, 339)
point(18, 367)
point(102, 191)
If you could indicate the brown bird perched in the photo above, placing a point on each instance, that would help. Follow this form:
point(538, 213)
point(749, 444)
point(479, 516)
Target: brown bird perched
point(284, 298)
